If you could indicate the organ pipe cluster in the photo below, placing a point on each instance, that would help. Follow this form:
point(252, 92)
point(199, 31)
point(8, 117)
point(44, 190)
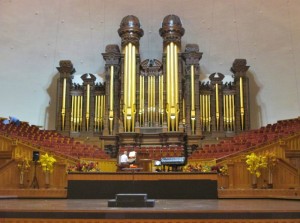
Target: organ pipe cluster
point(139, 94)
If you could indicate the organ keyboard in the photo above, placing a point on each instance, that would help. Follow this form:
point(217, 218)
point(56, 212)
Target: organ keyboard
point(173, 163)
point(173, 160)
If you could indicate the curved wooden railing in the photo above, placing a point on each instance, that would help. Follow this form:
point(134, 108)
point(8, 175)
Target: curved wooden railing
point(286, 173)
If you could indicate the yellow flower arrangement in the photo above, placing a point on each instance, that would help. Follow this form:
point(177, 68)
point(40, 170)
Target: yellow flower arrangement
point(23, 164)
point(224, 170)
point(47, 162)
point(255, 163)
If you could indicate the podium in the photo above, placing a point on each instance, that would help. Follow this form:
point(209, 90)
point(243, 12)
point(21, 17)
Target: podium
point(131, 200)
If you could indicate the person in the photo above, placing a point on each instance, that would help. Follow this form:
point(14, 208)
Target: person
point(12, 120)
point(123, 161)
point(132, 157)
point(124, 158)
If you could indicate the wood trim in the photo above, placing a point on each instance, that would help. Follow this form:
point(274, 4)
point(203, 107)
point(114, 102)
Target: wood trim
point(142, 176)
point(37, 220)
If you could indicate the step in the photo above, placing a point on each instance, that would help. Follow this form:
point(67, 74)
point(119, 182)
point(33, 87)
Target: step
point(131, 200)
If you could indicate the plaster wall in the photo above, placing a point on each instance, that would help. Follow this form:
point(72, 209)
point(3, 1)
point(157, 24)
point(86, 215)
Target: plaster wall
point(37, 34)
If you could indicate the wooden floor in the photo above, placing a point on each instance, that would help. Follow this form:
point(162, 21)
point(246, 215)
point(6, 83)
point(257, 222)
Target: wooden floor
point(14, 210)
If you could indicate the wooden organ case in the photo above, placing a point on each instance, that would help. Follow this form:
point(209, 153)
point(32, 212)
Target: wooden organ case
point(152, 102)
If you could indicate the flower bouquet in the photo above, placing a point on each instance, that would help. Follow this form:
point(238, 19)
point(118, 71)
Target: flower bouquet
point(47, 162)
point(84, 166)
point(23, 165)
point(255, 163)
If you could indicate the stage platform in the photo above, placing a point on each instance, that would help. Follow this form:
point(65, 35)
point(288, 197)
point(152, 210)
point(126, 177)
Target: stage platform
point(162, 185)
point(287, 194)
point(164, 211)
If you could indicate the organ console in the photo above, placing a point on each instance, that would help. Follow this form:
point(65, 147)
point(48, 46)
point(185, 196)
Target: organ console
point(172, 163)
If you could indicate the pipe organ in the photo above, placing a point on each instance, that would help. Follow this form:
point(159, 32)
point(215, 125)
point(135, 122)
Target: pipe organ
point(151, 101)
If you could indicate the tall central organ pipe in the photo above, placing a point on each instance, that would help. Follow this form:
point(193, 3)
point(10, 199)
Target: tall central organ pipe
point(172, 87)
point(129, 87)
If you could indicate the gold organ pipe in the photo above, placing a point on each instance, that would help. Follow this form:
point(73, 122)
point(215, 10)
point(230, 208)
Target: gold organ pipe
point(200, 108)
point(88, 107)
point(133, 72)
point(80, 111)
point(172, 89)
point(217, 98)
point(209, 114)
point(72, 114)
point(143, 96)
point(168, 88)
point(227, 112)
point(217, 106)
point(63, 110)
point(201, 111)
point(193, 126)
point(129, 74)
point(224, 111)
point(96, 114)
point(64, 94)
point(230, 111)
point(76, 120)
point(78, 124)
point(193, 113)
point(125, 88)
point(75, 113)
point(192, 88)
point(111, 94)
point(154, 101)
point(79, 114)
point(228, 108)
point(152, 98)
point(183, 111)
point(242, 103)
point(204, 97)
point(241, 92)
point(103, 108)
point(176, 105)
point(141, 99)
point(206, 110)
point(161, 98)
point(129, 87)
point(129, 82)
point(111, 100)
point(233, 113)
point(100, 107)
point(111, 126)
point(88, 100)
point(148, 99)
point(172, 74)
